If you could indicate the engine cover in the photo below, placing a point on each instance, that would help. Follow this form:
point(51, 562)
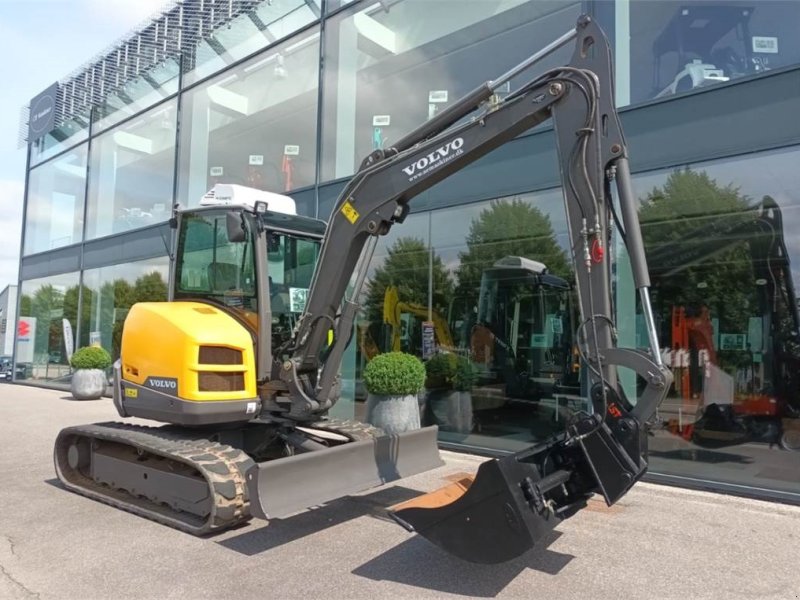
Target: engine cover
point(186, 363)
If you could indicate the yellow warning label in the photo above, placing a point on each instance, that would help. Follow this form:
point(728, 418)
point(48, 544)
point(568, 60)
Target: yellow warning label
point(131, 392)
point(350, 213)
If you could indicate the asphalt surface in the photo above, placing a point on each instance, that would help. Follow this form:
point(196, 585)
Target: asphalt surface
point(658, 542)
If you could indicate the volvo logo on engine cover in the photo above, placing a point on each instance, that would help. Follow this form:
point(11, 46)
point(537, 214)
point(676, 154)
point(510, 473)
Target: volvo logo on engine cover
point(168, 385)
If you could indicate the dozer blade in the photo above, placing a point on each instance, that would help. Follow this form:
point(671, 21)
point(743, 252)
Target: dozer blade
point(485, 519)
point(280, 487)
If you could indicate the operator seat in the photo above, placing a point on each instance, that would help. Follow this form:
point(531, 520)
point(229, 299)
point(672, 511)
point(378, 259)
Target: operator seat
point(222, 276)
point(279, 297)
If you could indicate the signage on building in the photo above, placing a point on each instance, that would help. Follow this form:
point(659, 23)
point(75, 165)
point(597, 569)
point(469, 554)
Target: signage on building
point(42, 116)
point(26, 339)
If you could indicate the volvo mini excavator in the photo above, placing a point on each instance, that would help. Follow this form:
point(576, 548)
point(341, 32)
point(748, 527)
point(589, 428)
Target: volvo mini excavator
point(242, 362)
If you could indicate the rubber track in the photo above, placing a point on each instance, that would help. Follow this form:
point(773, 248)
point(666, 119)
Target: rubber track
point(222, 466)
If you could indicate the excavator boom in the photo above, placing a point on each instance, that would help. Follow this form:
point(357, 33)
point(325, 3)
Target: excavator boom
point(516, 499)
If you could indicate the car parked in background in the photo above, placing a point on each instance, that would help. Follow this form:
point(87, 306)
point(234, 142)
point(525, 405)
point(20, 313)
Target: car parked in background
point(6, 366)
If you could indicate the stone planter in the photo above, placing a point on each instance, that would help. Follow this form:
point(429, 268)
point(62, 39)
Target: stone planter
point(88, 384)
point(393, 414)
point(451, 410)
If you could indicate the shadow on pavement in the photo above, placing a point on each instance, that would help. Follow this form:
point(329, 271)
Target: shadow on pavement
point(74, 399)
point(283, 531)
point(444, 573)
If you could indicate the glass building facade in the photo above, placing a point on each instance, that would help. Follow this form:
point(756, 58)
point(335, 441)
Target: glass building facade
point(291, 95)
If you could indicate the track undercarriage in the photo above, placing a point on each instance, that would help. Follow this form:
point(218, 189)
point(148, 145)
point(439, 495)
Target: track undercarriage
point(195, 480)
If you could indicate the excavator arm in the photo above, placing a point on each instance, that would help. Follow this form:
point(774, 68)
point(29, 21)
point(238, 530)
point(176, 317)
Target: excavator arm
point(515, 499)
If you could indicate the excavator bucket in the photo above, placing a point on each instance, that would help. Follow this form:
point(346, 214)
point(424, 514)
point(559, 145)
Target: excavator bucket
point(514, 501)
point(487, 518)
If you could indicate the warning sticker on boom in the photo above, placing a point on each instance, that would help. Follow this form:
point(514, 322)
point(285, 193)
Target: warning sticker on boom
point(350, 213)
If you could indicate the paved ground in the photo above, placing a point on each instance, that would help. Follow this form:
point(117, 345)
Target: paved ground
point(658, 542)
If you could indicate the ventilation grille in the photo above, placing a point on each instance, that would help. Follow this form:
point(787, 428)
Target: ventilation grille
point(211, 381)
point(219, 355)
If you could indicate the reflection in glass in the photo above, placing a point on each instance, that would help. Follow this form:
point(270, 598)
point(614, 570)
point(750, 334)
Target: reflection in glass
point(48, 306)
point(63, 136)
point(331, 5)
point(679, 46)
point(137, 95)
point(255, 125)
point(131, 174)
point(269, 21)
point(108, 294)
point(500, 308)
point(724, 293)
point(56, 192)
point(389, 70)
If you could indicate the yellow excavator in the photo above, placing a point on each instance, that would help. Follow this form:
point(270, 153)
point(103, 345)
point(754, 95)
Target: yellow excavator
point(393, 311)
point(241, 364)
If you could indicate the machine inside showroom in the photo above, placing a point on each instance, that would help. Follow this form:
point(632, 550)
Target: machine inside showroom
point(242, 363)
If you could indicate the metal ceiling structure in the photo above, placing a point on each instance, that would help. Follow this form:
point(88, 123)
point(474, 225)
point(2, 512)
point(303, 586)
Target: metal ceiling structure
point(172, 33)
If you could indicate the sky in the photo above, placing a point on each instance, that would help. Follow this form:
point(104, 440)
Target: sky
point(43, 41)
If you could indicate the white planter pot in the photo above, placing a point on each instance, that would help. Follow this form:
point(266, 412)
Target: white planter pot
point(88, 384)
point(393, 414)
point(451, 410)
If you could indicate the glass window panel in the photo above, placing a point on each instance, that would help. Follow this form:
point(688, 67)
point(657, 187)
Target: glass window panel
point(722, 260)
point(64, 136)
point(131, 175)
point(108, 294)
point(248, 33)
point(254, 125)
point(45, 305)
point(400, 262)
point(54, 210)
point(138, 95)
point(332, 5)
point(390, 67)
point(679, 46)
point(513, 334)
point(514, 328)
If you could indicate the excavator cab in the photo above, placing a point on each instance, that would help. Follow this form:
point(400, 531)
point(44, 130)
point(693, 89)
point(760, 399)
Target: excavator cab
point(222, 311)
point(216, 263)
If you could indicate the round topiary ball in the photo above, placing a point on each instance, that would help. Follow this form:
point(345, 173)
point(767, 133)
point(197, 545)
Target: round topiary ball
point(91, 357)
point(394, 374)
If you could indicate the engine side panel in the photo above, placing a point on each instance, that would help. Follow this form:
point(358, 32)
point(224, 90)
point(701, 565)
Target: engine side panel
point(186, 363)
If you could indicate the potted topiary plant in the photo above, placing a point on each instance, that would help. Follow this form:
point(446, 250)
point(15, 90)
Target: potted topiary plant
point(89, 376)
point(393, 381)
point(449, 382)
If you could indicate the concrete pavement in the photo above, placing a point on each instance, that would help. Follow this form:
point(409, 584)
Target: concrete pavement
point(658, 542)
